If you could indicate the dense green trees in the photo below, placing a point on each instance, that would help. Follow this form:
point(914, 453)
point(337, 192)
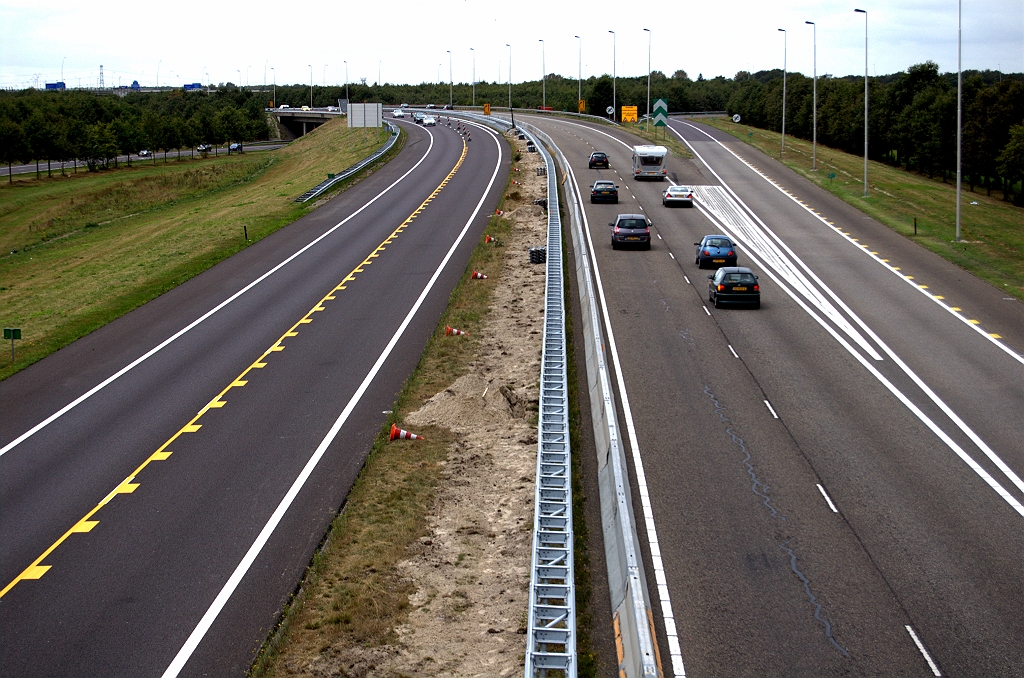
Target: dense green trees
point(83, 126)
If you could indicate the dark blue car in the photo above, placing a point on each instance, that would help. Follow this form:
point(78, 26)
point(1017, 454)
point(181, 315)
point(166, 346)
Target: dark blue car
point(715, 251)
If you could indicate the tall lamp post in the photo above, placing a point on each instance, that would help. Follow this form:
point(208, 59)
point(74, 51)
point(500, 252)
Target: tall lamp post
point(649, 33)
point(310, 85)
point(511, 112)
point(451, 81)
point(474, 74)
point(579, 75)
point(814, 124)
point(158, 73)
point(864, 12)
point(959, 112)
point(239, 71)
point(614, 101)
point(274, 73)
point(543, 77)
point(785, 37)
point(346, 88)
point(323, 76)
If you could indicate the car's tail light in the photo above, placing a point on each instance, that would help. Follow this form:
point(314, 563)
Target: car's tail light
point(664, 171)
point(731, 254)
point(757, 288)
point(721, 288)
point(707, 254)
point(616, 229)
point(648, 230)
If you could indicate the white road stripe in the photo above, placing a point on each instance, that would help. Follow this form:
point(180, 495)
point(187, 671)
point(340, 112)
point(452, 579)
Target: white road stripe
point(177, 335)
point(827, 498)
point(771, 409)
point(924, 652)
point(733, 351)
point(229, 587)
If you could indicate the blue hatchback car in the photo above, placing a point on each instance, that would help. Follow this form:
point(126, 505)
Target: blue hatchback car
point(715, 251)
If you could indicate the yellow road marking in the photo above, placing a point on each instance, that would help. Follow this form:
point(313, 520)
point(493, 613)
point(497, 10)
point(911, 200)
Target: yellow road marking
point(994, 335)
point(126, 486)
point(973, 321)
point(954, 308)
point(939, 297)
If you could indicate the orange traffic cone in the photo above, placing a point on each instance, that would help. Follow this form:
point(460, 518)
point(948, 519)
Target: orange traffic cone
point(399, 433)
point(488, 238)
point(450, 331)
point(478, 276)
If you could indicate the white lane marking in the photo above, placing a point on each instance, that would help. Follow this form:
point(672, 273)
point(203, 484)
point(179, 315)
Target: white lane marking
point(948, 411)
point(924, 652)
point(734, 355)
point(638, 464)
point(706, 310)
point(771, 409)
point(672, 255)
point(686, 279)
point(659, 237)
point(827, 498)
point(250, 557)
point(138, 361)
point(909, 404)
point(884, 262)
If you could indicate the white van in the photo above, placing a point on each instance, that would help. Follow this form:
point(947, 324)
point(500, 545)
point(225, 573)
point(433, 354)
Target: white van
point(649, 162)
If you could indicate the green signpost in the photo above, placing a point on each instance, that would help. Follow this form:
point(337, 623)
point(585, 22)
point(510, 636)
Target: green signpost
point(12, 333)
point(660, 112)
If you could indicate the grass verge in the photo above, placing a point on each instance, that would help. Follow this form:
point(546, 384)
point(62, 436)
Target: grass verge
point(88, 248)
point(992, 238)
point(352, 594)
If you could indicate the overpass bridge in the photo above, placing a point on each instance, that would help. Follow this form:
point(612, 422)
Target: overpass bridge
point(299, 121)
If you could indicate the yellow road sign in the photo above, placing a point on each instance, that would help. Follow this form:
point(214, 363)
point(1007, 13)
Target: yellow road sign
point(581, 105)
point(629, 114)
point(487, 109)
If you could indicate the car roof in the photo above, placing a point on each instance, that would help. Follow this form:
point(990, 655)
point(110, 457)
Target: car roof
point(631, 216)
point(717, 235)
point(604, 181)
point(598, 153)
point(735, 269)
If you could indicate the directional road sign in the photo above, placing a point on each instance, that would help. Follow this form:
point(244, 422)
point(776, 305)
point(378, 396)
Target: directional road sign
point(660, 112)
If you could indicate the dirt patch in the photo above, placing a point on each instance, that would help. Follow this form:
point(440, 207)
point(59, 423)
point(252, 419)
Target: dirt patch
point(471, 577)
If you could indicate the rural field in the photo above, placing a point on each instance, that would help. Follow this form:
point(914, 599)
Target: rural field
point(82, 250)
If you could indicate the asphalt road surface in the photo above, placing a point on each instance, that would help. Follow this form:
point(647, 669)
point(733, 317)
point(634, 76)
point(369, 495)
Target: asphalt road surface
point(834, 478)
point(140, 539)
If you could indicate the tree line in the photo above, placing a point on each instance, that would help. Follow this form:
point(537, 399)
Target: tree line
point(94, 128)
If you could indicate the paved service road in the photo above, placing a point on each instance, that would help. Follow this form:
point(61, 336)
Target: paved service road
point(834, 478)
point(293, 349)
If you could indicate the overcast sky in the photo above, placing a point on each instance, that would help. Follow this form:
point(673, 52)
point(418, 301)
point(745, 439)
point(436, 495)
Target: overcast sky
point(408, 41)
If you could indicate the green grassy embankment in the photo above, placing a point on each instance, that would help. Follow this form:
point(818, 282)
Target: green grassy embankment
point(82, 250)
point(992, 230)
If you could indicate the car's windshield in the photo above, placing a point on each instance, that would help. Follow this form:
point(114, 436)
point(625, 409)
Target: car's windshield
point(739, 278)
point(650, 160)
point(632, 223)
point(717, 242)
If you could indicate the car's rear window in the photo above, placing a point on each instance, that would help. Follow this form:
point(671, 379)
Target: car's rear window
point(598, 156)
point(604, 186)
point(717, 242)
point(739, 278)
point(632, 223)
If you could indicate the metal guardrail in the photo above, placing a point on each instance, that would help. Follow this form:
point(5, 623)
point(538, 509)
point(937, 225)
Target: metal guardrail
point(323, 186)
point(630, 598)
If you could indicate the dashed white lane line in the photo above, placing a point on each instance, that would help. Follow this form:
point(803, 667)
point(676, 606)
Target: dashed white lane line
point(672, 255)
point(706, 310)
point(734, 355)
point(924, 652)
point(686, 279)
point(771, 409)
point(827, 498)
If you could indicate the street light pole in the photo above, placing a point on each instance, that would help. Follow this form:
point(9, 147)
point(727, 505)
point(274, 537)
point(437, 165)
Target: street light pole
point(346, 88)
point(511, 112)
point(579, 73)
point(310, 85)
point(62, 68)
point(451, 82)
point(959, 113)
point(614, 101)
point(649, 34)
point(323, 77)
point(158, 73)
point(265, 62)
point(785, 37)
point(814, 134)
point(474, 74)
point(543, 77)
point(239, 71)
point(864, 12)
point(274, 72)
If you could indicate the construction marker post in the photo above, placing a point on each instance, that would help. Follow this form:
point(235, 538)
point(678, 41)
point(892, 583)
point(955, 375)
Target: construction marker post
point(12, 333)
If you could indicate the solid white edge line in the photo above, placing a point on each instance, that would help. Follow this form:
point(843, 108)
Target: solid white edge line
point(869, 366)
point(638, 465)
point(924, 652)
point(135, 363)
point(229, 587)
point(771, 409)
point(948, 411)
point(734, 355)
point(827, 498)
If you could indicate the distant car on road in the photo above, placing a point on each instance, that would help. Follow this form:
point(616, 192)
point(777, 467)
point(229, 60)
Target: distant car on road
point(332, 108)
point(306, 108)
point(431, 106)
point(598, 159)
point(429, 121)
point(417, 118)
point(283, 106)
point(447, 107)
point(204, 148)
point(235, 148)
point(398, 113)
point(145, 153)
point(734, 285)
point(677, 195)
point(715, 251)
point(604, 191)
point(631, 229)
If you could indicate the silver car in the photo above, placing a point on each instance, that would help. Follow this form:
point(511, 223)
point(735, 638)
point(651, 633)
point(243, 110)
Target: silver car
point(677, 195)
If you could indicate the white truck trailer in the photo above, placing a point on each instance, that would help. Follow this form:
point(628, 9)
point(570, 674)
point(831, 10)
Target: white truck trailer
point(649, 162)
